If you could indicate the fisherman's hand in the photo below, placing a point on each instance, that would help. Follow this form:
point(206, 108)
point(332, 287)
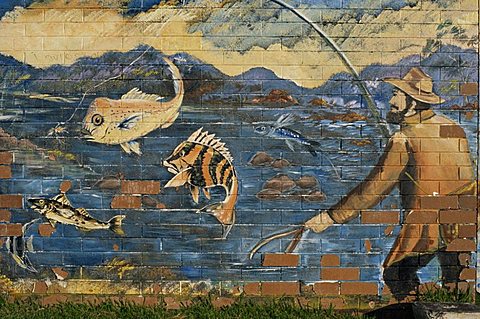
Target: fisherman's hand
point(319, 222)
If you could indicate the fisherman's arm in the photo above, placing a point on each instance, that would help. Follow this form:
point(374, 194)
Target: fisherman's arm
point(379, 183)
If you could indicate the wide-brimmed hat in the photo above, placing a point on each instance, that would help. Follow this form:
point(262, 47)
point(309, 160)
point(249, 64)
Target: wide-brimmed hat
point(418, 85)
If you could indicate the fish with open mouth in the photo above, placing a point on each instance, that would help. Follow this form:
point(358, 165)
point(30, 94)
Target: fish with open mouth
point(203, 162)
point(18, 246)
point(134, 115)
point(59, 209)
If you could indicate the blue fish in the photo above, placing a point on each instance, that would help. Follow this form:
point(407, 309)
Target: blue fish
point(279, 131)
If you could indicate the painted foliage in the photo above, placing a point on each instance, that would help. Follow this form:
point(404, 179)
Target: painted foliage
point(331, 140)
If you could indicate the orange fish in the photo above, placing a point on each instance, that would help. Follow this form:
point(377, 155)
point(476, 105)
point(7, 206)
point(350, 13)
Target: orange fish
point(203, 161)
point(134, 115)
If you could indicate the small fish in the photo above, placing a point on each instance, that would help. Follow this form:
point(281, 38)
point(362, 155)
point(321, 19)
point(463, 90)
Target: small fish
point(203, 162)
point(134, 115)
point(59, 209)
point(279, 130)
point(19, 246)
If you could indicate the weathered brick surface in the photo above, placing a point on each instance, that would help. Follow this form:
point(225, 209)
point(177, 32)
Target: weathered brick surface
point(6, 158)
point(244, 65)
point(11, 201)
point(346, 273)
point(330, 261)
point(326, 288)
point(358, 288)
point(125, 201)
point(11, 230)
point(140, 187)
point(280, 288)
point(280, 260)
point(380, 217)
point(5, 215)
point(5, 172)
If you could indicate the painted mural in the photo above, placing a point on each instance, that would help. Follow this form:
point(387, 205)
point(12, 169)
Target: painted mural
point(237, 143)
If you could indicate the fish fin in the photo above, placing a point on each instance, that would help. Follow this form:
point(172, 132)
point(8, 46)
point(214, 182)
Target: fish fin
point(311, 150)
point(206, 192)
point(29, 243)
point(130, 121)
point(290, 145)
point(136, 94)
point(62, 199)
point(116, 224)
point(82, 211)
point(180, 179)
point(224, 216)
point(285, 120)
point(195, 192)
point(131, 146)
point(24, 263)
point(203, 138)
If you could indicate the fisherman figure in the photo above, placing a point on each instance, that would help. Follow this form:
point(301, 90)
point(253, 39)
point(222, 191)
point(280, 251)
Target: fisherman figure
point(429, 160)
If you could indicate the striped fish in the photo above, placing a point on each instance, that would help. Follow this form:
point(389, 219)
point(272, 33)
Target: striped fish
point(203, 162)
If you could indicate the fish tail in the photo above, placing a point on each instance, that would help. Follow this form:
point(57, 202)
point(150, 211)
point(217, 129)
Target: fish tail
point(177, 81)
point(224, 211)
point(116, 224)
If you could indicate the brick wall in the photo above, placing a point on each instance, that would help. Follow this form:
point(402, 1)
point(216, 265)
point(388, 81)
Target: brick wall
point(301, 137)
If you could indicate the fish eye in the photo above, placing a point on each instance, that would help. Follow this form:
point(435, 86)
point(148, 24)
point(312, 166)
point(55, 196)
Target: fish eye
point(263, 128)
point(41, 202)
point(97, 119)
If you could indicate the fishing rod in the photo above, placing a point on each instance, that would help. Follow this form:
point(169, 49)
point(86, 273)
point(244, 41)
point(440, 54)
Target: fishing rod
point(346, 62)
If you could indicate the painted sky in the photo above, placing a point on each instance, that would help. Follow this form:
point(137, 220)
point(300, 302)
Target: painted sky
point(232, 35)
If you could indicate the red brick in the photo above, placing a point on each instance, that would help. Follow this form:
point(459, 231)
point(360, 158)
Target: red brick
point(55, 299)
point(60, 273)
point(280, 260)
point(40, 287)
point(458, 217)
point(422, 217)
point(65, 186)
point(340, 274)
point(252, 288)
point(5, 215)
point(358, 288)
point(151, 301)
point(465, 259)
point(125, 201)
point(380, 217)
point(330, 261)
point(220, 302)
point(468, 274)
point(45, 230)
point(5, 172)
point(451, 131)
point(467, 231)
point(6, 158)
point(461, 245)
point(11, 201)
point(11, 230)
point(469, 88)
point(439, 202)
point(326, 288)
point(280, 288)
point(140, 187)
point(467, 201)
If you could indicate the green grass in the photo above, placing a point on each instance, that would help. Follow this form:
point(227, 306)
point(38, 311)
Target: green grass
point(201, 308)
point(446, 295)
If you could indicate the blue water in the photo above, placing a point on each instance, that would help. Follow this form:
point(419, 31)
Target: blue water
point(176, 237)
